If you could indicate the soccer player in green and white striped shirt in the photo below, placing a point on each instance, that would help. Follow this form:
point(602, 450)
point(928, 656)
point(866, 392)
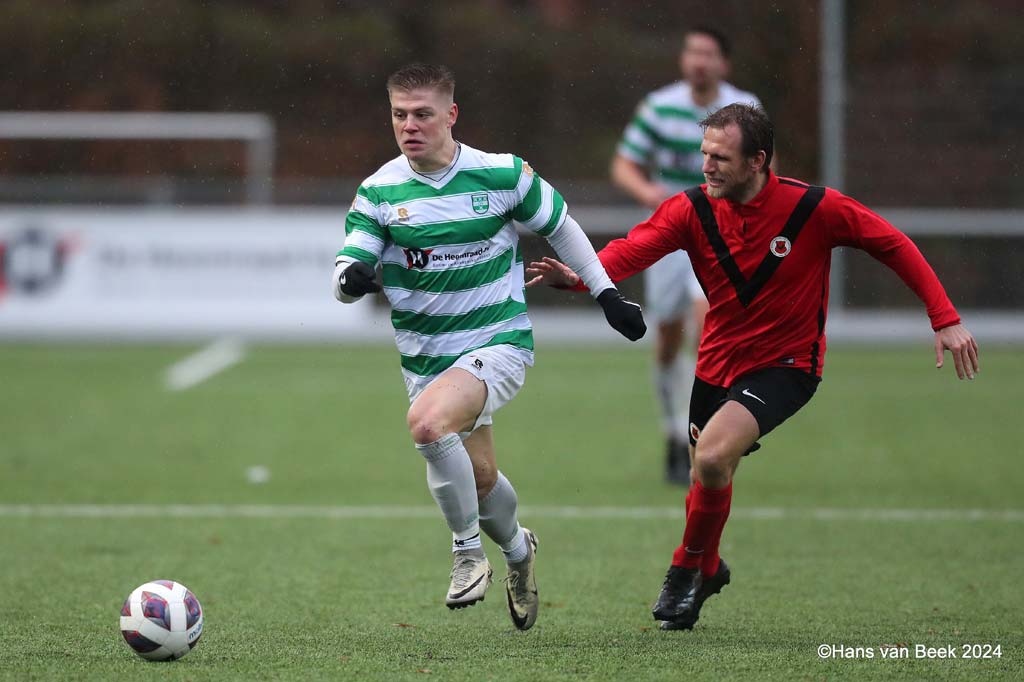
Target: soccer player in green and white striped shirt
point(657, 157)
point(440, 220)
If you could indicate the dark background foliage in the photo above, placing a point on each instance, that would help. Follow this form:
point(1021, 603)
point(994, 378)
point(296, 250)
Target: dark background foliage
point(934, 102)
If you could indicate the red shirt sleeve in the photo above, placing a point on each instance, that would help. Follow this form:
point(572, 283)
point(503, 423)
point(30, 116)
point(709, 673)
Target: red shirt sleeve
point(853, 224)
point(648, 242)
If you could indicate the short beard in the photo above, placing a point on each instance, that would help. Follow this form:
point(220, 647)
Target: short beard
point(716, 192)
point(734, 193)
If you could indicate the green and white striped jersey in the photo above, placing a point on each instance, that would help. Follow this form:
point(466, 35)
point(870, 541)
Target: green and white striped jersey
point(448, 249)
point(664, 134)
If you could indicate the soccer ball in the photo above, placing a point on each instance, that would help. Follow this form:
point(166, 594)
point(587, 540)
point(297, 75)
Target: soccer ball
point(161, 620)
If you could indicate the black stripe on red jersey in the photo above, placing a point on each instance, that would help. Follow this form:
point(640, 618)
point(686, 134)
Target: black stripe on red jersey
point(796, 221)
point(746, 291)
point(707, 220)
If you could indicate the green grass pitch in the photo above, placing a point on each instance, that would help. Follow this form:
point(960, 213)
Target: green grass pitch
point(316, 598)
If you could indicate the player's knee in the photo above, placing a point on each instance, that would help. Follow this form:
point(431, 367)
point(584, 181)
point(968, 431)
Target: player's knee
point(425, 425)
point(665, 356)
point(669, 342)
point(713, 463)
point(425, 432)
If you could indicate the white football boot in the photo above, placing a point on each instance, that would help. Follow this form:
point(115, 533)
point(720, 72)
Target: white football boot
point(471, 576)
point(521, 586)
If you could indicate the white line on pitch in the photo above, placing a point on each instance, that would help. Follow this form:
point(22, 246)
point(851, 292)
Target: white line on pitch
point(200, 366)
point(218, 511)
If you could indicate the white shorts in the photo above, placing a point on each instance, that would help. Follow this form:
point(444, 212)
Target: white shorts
point(501, 368)
point(669, 287)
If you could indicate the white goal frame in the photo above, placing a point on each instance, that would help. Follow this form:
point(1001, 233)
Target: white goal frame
point(256, 130)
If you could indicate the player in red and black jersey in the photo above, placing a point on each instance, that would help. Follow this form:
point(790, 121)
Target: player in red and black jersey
point(761, 248)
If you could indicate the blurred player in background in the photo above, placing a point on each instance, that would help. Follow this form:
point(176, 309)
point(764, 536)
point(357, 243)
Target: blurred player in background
point(441, 219)
point(761, 247)
point(658, 156)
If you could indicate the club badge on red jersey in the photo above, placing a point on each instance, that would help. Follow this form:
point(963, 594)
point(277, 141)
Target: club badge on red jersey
point(781, 247)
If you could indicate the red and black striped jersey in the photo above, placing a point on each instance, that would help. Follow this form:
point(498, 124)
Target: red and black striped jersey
point(764, 267)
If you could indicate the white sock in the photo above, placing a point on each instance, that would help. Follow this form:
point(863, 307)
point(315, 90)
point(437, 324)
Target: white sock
point(451, 482)
point(499, 521)
point(518, 550)
point(674, 383)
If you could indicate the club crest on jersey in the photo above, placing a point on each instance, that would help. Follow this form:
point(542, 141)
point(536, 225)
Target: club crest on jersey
point(781, 247)
point(694, 431)
point(417, 258)
point(480, 203)
point(403, 214)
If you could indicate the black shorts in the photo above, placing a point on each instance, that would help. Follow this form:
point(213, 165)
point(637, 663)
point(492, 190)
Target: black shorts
point(772, 395)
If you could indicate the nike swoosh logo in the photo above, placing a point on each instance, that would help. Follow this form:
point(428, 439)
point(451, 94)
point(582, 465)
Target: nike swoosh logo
point(518, 620)
point(748, 393)
point(514, 612)
point(468, 589)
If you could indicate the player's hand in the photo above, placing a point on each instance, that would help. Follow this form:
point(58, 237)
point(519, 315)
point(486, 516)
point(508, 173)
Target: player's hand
point(961, 345)
point(355, 279)
point(624, 316)
point(553, 273)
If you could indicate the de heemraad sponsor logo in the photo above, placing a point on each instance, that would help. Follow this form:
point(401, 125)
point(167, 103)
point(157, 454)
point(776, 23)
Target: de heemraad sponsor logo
point(420, 258)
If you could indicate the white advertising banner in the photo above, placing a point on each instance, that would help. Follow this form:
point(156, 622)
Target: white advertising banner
point(156, 274)
point(176, 273)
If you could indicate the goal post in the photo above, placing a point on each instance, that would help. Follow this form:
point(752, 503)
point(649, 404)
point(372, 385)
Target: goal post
point(255, 130)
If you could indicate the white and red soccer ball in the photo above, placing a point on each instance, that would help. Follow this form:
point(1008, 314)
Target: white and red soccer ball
point(161, 620)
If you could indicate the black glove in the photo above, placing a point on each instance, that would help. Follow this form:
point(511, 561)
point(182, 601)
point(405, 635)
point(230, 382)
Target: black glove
point(624, 316)
point(359, 279)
